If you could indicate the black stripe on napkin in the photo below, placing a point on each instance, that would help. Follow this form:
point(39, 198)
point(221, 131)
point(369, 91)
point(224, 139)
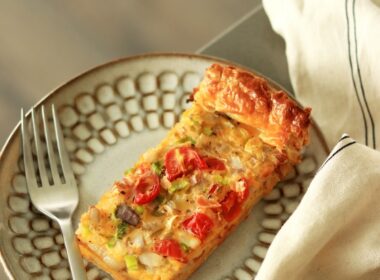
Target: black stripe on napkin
point(356, 75)
point(360, 77)
point(345, 136)
point(352, 75)
point(336, 151)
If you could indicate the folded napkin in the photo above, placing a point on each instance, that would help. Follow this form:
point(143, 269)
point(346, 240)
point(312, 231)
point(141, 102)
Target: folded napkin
point(335, 231)
point(333, 52)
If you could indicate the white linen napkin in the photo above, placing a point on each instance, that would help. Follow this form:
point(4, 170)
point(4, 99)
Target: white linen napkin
point(335, 231)
point(333, 52)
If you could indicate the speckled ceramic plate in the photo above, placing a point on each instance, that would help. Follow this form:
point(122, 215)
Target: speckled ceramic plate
point(111, 115)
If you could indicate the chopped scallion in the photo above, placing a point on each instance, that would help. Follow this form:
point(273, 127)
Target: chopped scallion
point(207, 131)
point(111, 242)
point(157, 167)
point(187, 139)
point(195, 122)
point(185, 248)
point(131, 262)
point(139, 209)
point(128, 171)
point(221, 180)
point(178, 184)
point(121, 230)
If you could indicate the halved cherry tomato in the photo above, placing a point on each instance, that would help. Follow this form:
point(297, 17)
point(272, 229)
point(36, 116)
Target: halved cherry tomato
point(214, 164)
point(147, 186)
point(230, 206)
point(181, 161)
point(191, 159)
point(242, 189)
point(233, 214)
point(169, 248)
point(229, 201)
point(199, 224)
point(173, 164)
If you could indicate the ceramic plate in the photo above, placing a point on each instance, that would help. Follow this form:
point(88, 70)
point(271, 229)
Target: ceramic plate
point(111, 115)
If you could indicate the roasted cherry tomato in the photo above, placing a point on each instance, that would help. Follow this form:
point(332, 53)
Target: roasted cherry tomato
point(199, 224)
point(147, 186)
point(181, 161)
point(233, 214)
point(214, 164)
point(173, 164)
point(242, 189)
point(229, 201)
point(169, 248)
point(230, 206)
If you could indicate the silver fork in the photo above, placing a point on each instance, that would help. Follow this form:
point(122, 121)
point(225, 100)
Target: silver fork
point(56, 198)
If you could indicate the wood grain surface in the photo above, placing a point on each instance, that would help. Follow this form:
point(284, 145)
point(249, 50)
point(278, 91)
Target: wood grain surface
point(45, 43)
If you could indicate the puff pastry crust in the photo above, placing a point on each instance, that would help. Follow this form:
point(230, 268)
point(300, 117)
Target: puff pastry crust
point(249, 99)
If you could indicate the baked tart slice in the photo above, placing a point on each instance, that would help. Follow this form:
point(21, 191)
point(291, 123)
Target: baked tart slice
point(182, 198)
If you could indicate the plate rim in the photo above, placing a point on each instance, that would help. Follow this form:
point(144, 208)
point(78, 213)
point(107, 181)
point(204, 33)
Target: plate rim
point(92, 70)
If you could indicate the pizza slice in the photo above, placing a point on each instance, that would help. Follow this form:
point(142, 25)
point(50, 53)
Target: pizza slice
point(182, 198)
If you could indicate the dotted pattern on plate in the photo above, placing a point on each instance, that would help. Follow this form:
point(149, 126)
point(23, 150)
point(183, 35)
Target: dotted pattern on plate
point(95, 120)
point(279, 205)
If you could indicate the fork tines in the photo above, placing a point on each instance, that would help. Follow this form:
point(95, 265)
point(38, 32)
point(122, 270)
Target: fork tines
point(54, 169)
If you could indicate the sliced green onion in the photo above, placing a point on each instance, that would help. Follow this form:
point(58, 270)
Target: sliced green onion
point(184, 247)
point(139, 209)
point(157, 167)
point(186, 139)
point(131, 262)
point(111, 242)
point(179, 184)
point(221, 180)
point(207, 131)
point(121, 230)
point(195, 122)
point(128, 171)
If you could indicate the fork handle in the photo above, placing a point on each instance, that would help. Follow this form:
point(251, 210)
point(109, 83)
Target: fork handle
point(73, 254)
